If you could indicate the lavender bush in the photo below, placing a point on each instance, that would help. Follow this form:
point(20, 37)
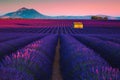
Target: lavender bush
point(35, 59)
point(108, 50)
point(78, 62)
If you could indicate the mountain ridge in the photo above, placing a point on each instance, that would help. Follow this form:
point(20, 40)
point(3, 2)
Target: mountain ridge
point(26, 13)
point(23, 13)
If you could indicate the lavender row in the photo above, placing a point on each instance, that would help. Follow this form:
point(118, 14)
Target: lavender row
point(44, 30)
point(78, 62)
point(7, 38)
point(10, 46)
point(108, 38)
point(110, 51)
point(10, 36)
point(33, 62)
point(61, 29)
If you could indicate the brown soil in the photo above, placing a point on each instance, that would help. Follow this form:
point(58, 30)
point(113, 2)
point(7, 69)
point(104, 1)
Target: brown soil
point(56, 75)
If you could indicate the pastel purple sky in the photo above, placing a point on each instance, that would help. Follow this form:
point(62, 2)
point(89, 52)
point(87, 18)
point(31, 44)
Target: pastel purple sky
point(64, 7)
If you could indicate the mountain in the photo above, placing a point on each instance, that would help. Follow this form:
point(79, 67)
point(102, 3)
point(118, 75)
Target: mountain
point(24, 13)
point(33, 14)
point(118, 18)
point(88, 17)
point(71, 17)
point(109, 17)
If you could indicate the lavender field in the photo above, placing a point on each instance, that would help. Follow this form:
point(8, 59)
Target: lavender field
point(54, 50)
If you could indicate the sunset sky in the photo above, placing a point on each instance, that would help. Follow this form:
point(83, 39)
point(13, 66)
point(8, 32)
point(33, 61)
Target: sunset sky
point(64, 7)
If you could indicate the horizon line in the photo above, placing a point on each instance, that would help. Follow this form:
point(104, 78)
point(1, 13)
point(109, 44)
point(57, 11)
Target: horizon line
point(1, 14)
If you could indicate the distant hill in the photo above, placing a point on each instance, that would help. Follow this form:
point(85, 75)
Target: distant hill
point(25, 13)
point(71, 17)
point(109, 17)
point(118, 18)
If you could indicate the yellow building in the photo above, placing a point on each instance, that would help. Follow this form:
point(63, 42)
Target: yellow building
point(78, 25)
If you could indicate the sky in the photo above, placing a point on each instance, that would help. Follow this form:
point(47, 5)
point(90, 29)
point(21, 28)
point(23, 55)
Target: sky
point(64, 7)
